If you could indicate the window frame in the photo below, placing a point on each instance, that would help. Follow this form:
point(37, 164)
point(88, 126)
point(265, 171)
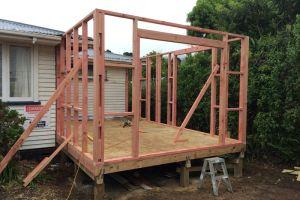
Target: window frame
point(6, 73)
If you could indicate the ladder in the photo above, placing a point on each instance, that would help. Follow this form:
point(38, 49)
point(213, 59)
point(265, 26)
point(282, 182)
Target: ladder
point(211, 163)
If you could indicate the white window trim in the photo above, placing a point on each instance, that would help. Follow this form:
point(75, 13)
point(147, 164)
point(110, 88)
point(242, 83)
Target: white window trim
point(35, 72)
point(6, 75)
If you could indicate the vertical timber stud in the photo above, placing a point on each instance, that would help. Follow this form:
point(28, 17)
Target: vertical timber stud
point(227, 84)
point(135, 90)
point(141, 88)
point(58, 80)
point(126, 90)
point(68, 88)
point(223, 100)
point(243, 89)
point(174, 91)
point(98, 73)
point(148, 88)
point(214, 62)
point(158, 89)
point(84, 87)
point(169, 87)
point(62, 97)
point(75, 88)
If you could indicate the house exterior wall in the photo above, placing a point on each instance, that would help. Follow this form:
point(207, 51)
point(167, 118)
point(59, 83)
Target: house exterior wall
point(114, 89)
point(114, 96)
point(45, 80)
point(44, 85)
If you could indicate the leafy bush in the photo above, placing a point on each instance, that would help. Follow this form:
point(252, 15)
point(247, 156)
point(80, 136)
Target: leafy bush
point(10, 129)
point(274, 69)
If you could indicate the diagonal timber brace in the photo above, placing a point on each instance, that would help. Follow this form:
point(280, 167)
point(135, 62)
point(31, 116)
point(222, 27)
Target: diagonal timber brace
point(45, 162)
point(44, 110)
point(196, 103)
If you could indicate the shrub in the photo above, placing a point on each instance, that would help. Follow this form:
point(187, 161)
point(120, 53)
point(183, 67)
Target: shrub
point(10, 129)
point(274, 70)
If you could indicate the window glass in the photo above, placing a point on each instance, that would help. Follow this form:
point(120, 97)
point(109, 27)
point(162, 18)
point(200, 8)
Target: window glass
point(0, 70)
point(90, 72)
point(20, 71)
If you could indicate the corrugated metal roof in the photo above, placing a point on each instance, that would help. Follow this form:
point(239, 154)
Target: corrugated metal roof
point(27, 28)
point(112, 56)
point(31, 29)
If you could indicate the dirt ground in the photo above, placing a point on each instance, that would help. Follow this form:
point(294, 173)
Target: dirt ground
point(260, 181)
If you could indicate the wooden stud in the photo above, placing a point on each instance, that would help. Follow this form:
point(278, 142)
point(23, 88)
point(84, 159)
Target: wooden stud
point(169, 89)
point(158, 89)
point(135, 90)
point(234, 39)
point(196, 103)
point(68, 88)
point(126, 90)
point(234, 73)
point(148, 88)
point(243, 89)
point(98, 76)
point(84, 87)
point(84, 20)
point(170, 37)
point(93, 164)
point(223, 99)
point(117, 64)
point(191, 50)
point(75, 89)
point(234, 109)
point(154, 21)
point(174, 91)
point(58, 80)
point(141, 88)
point(62, 97)
point(118, 113)
point(214, 62)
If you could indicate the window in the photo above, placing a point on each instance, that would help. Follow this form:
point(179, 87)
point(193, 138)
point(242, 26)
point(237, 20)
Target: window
point(16, 72)
point(90, 73)
point(20, 71)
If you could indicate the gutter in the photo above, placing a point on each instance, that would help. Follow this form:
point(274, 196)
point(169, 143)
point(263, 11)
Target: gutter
point(22, 35)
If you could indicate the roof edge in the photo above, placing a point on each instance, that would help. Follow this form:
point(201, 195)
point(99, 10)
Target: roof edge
point(41, 36)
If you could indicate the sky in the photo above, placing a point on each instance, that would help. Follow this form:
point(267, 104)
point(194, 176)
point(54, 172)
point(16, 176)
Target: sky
point(63, 14)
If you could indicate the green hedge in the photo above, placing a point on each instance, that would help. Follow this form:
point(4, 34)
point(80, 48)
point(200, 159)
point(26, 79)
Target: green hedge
point(274, 71)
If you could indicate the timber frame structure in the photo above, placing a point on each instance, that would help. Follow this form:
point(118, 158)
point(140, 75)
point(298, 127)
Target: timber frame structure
point(72, 119)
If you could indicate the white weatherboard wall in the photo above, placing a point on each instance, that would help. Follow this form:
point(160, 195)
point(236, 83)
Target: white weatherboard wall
point(114, 89)
point(41, 138)
point(45, 80)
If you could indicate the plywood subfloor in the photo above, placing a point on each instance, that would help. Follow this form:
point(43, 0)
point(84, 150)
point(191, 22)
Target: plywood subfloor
point(154, 138)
